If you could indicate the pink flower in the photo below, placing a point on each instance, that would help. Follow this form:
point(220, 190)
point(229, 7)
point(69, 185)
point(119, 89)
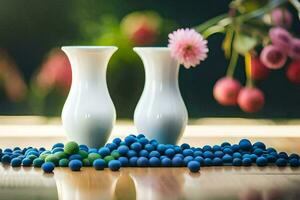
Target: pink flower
point(281, 17)
point(188, 47)
point(295, 49)
point(272, 57)
point(281, 38)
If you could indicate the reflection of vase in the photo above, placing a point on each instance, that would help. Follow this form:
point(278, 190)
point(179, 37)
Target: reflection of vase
point(88, 115)
point(87, 184)
point(158, 184)
point(160, 113)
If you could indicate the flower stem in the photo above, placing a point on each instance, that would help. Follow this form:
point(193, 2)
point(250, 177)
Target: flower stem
point(232, 63)
point(249, 82)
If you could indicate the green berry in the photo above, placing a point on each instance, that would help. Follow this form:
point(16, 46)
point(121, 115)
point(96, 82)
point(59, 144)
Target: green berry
point(38, 162)
point(52, 158)
point(108, 158)
point(83, 154)
point(93, 156)
point(115, 154)
point(63, 162)
point(61, 155)
point(43, 156)
point(32, 157)
point(71, 148)
point(86, 162)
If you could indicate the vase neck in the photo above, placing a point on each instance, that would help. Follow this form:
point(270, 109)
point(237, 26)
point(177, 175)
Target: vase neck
point(160, 68)
point(89, 63)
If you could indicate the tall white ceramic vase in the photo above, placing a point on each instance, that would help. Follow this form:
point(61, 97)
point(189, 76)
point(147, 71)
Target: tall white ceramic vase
point(88, 115)
point(161, 113)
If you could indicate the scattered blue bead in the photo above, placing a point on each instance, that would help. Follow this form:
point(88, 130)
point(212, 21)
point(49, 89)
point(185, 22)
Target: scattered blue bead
point(129, 140)
point(124, 161)
point(228, 150)
point(154, 154)
point(227, 158)
point(235, 147)
point(48, 167)
point(236, 155)
point(208, 162)
point(247, 161)
point(26, 162)
point(237, 162)
point(104, 151)
point(197, 153)
point(166, 162)
point(154, 142)
point(261, 161)
point(136, 146)
point(216, 148)
point(187, 159)
point(143, 141)
point(177, 162)
point(149, 147)
point(177, 149)
point(253, 157)
point(75, 157)
point(93, 150)
point(5, 159)
point(199, 159)
point(170, 152)
point(75, 165)
point(57, 149)
point(114, 165)
point(131, 153)
point(219, 154)
point(58, 145)
point(117, 141)
point(245, 145)
point(260, 145)
point(142, 162)
point(144, 153)
point(271, 158)
point(185, 146)
point(99, 164)
point(194, 166)
point(187, 152)
point(281, 162)
point(111, 146)
point(16, 162)
point(161, 148)
point(208, 154)
point(294, 162)
point(225, 144)
point(217, 161)
point(123, 149)
point(294, 155)
point(133, 161)
point(154, 162)
point(7, 150)
point(139, 136)
point(207, 148)
point(179, 155)
point(84, 147)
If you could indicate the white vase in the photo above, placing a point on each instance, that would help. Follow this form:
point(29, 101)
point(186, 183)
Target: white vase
point(88, 115)
point(161, 113)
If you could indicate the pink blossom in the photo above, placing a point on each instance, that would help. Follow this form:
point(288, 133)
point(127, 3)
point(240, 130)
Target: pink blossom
point(281, 38)
point(295, 49)
point(188, 47)
point(272, 57)
point(281, 17)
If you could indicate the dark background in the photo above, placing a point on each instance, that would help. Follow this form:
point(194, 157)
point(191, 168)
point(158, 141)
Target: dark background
point(30, 29)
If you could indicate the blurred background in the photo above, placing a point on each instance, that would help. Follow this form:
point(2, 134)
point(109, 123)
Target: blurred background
point(35, 74)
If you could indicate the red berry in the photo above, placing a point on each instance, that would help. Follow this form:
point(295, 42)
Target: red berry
point(251, 99)
point(226, 91)
point(258, 70)
point(293, 72)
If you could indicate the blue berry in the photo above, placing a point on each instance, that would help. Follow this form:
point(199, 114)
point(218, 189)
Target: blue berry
point(271, 149)
point(75, 157)
point(154, 162)
point(84, 147)
point(133, 161)
point(142, 162)
point(75, 165)
point(117, 141)
point(245, 144)
point(194, 166)
point(216, 148)
point(217, 162)
point(197, 153)
point(144, 153)
point(154, 142)
point(208, 162)
point(93, 150)
point(294, 162)
point(149, 147)
point(187, 159)
point(283, 155)
point(161, 148)
point(177, 149)
point(179, 155)
point(185, 146)
point(129, 140)
point(26, 162)
point(281, 162)
point(53, 151)
point(5, 159)
point(235, 147)
point(294, 155)
point(227, 150)
point(140, 136)
point(271, 158)
point(136, 146)
point(177, 162)
point(8, 150)
point(143, 141)
point(111, 146)
point(247, 161)
point(131, 153)
point(166, 162)
point(208, 154)
point(260, 145)
point(99, 164)
point(104, 151)
point(261, 161)
point(258, 151)
point(37, 162)
point(114, 165)
point(187, 152)
point(219, 154)
point(48, 167)
point(227, 158)
point(199, 159)
point(154, 154)
point(123, 149)
point(253, 157)
point(237, 162)
point(207, 148)
point(236, 155)
point(58, 145)
point(225, 144)
point(16, 162)
point(124, 161)
point(170, 152)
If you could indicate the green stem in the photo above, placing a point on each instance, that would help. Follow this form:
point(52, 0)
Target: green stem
point(210, 23)
point(232, 63)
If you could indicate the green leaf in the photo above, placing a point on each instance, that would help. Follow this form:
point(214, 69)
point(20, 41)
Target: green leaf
point(227, 43)
point(244, 43)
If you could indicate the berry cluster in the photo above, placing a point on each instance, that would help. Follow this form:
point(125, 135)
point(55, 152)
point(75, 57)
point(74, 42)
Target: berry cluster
point(138, 151)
